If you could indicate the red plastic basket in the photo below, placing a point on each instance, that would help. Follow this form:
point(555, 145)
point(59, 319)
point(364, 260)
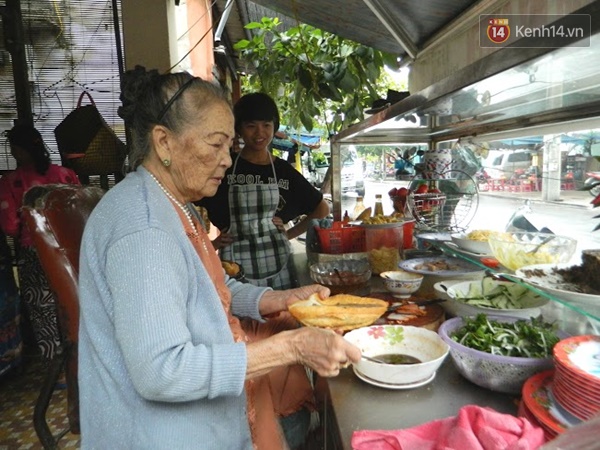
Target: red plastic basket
point(341, 238)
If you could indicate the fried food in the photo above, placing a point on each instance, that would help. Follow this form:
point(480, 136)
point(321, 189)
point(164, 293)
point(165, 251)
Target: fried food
point(479, 235)
point(435, 266)
point(231, 268)
point(341, 312)
point(384, 259)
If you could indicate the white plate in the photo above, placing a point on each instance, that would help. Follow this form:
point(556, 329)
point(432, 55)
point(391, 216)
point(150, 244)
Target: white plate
point(469, 245)
point(434, 237)
point(547, 280)
point(457, 266)
point(381, 384)
point(456, 248)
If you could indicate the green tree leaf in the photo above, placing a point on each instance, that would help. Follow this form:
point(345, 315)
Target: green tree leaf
point(317, 78)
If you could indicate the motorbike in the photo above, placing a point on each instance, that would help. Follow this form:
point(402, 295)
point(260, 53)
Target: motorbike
point(592, 183)
point(481, 176)
point(522, 220)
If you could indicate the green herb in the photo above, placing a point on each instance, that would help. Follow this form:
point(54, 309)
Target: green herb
point(532, 338)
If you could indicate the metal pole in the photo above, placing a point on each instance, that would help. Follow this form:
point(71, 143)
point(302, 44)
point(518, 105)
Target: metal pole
point(118, 43)
point(14, 37)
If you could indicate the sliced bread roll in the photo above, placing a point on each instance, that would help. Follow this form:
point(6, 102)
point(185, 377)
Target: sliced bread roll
point(341, 312)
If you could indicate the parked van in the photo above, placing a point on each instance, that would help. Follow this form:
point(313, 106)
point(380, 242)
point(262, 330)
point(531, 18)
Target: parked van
point(503, 163)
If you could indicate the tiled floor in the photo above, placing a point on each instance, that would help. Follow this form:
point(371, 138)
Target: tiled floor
point(18, 393)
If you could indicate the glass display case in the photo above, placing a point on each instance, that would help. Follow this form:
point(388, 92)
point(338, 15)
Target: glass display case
point(511, 93)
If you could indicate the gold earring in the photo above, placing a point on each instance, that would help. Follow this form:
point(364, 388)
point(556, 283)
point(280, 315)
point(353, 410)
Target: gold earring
point(166, 162)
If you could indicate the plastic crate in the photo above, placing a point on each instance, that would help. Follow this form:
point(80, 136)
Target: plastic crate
point(341, 238)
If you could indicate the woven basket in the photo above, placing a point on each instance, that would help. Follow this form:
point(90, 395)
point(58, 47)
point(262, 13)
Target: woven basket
point(87, 144)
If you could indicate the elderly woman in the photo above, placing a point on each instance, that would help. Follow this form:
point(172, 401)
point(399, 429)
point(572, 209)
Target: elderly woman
point(163, 359)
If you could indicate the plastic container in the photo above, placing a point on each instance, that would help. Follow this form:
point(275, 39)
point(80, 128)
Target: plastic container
point(341, 238)
point(384, 243)
point(409, 228)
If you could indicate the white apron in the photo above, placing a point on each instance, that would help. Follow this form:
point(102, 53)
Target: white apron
point(259, 247)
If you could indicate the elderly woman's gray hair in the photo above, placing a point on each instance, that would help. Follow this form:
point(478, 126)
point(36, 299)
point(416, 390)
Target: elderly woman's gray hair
point(174, 100)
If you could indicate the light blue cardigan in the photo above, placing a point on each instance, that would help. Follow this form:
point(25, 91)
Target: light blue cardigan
point(158, 367)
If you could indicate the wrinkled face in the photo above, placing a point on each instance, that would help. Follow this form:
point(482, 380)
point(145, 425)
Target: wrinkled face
point(257, 134)
point(201, 154)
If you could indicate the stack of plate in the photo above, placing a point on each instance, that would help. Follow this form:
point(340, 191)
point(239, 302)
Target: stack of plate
point(564, 397)
point(539, 407)
point(576, 385)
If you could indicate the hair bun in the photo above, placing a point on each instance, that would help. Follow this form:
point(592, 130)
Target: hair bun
point(134, 84)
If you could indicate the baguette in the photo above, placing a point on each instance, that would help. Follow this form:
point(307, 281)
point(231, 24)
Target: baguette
point(341, 312)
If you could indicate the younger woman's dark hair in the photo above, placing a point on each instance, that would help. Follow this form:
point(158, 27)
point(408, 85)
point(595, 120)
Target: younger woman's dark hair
point(255, 106)
point(172, 99)
point(29, 139)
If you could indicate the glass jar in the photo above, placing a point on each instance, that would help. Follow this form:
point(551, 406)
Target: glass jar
point(378, 210)
point(359, 207)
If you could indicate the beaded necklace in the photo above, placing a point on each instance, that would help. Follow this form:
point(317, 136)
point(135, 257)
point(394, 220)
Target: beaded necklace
point(183, 208)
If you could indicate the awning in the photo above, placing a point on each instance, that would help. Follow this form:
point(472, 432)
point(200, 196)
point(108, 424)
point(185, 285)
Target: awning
point(398, 27)
point(576, 138)
point(285, 139)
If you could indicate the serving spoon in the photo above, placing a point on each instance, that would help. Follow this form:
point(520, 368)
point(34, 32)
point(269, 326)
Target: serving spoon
point(375, 360)
point(337, 272)
point(537, 247)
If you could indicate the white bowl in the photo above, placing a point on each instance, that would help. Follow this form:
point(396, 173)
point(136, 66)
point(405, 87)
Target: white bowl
point(528, 304)
point(401, 283)
point(462, 242)
point(378, 340)
point(441, 288)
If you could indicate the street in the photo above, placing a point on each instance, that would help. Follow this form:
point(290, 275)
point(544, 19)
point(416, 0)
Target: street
point(493, 212)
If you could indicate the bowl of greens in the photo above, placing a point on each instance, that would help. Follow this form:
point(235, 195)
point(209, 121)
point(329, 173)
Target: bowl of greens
point(491, 296)
point(499, 352)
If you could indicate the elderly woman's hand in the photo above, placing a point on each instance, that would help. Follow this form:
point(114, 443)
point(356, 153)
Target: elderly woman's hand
point(223, 240)
point(325, 351)
point(276, 301)
point(304, 292)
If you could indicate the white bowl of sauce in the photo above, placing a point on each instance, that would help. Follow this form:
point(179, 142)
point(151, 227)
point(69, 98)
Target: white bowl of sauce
point(408, 355)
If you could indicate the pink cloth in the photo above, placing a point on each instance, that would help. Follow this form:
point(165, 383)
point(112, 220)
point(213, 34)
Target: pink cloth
point(474, 428)
point(12, 188)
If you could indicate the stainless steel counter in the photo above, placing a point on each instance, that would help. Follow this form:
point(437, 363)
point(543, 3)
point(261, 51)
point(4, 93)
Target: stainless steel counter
point(350, 404)
point(356, 405)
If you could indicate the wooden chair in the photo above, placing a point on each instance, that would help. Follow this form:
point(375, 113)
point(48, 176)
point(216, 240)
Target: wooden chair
point(56, 216)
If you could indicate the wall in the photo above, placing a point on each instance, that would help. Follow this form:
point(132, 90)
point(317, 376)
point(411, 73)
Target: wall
point(149, 37)
point(153, 40)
